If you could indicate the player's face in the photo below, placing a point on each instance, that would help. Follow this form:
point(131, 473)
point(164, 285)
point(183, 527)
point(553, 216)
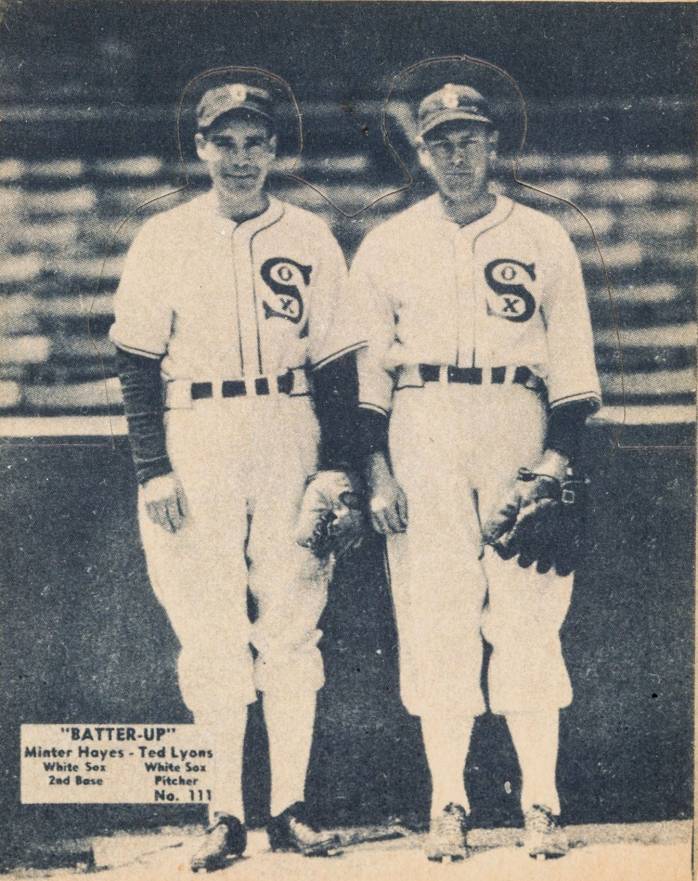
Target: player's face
point(238, 153)
point(458, 156)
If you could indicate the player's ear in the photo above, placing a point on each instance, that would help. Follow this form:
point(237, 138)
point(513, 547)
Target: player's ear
point(492, 143)
point(200, 141)
point(424, 156)
point(273, 144)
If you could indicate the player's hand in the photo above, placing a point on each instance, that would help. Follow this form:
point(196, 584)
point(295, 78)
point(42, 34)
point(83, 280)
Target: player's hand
point(388, 502)
point(520, 496)
point(553, 463)
point(165, 502)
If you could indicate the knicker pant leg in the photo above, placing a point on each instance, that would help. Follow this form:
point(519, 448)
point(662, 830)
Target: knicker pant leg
point(201, 582)
point(291, 592)
point(522, 621)
point(199, 577)
point(437, 594)
point(290, 587)
point(286, 580)
point(436, 578)
point(525, 610)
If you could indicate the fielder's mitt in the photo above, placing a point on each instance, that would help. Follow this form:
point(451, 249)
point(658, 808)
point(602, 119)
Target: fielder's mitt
point(331, 519)
point(542, 522)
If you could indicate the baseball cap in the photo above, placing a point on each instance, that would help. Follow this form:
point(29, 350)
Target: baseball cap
point(449, 103)
point(233, 96)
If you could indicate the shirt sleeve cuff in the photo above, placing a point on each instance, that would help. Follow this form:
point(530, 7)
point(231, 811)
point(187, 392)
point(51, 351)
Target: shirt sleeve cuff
point(592, 397)
point(375, 408)
point(339, 353)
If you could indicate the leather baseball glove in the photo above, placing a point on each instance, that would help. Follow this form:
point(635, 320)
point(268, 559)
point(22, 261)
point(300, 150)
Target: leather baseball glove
point(331, 518)
point(541, 522)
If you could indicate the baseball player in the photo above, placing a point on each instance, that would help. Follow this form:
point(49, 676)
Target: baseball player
point(479, 362)
point(223, 311)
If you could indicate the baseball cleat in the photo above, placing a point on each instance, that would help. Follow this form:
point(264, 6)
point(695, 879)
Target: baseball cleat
point(544, 837)
point(292, 831)
point(226, 839)
point(447, 838)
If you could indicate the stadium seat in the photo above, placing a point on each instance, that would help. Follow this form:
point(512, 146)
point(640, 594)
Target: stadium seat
point(621, 255)
point(658, 223)
point(11, 169)
point(59, 169)
point(24, 349)
point(529, 163)
point(60, 235)
point(17, 268)
point(633, 191)
point(662, 292)
point(59, 202)
point(598, 222)
point(659, 162)
point(129, 167)
point(10, 395)
point(84, 396)
point(18, 315)
point(683, 191)
point(12, 202)
point(656, 384)
point(588, 164)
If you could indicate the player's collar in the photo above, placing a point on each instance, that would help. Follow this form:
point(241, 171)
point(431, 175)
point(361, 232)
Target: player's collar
point(273, 212)
point(502, 209)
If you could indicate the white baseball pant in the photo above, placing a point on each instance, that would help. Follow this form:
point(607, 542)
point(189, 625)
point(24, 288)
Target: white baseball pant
point(455, 449)
point(242, 463)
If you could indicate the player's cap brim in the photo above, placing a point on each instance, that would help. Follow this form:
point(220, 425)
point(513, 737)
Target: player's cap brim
point(451, 116)
point(246, 107)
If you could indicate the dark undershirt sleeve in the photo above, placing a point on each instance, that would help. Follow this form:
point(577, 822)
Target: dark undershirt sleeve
point(567, 426)
point(372, 432)
point(335, 394)
point(141, 386)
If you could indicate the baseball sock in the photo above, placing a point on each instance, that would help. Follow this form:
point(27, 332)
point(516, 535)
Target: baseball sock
point(227, 743)
point(290, 721)
point(536, 740)
point(446, 743)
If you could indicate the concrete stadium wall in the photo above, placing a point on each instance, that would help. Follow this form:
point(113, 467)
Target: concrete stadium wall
point(83, 640)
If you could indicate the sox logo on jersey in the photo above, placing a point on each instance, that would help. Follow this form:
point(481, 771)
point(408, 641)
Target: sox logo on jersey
point(285, 278)
point(507, 278)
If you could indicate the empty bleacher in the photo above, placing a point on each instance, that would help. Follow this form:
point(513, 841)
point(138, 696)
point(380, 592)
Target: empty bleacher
point(67, 222)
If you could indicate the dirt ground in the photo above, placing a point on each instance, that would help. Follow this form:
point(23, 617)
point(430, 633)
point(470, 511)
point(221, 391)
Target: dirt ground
point(613, 852)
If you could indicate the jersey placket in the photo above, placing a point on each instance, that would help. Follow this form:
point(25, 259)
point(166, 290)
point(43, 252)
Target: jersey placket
point(466, 298)
point(251, 354)
point(481, 350)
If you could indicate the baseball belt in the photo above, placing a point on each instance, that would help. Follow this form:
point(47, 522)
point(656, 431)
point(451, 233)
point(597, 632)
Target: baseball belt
point(180, 393)
point(416, 376)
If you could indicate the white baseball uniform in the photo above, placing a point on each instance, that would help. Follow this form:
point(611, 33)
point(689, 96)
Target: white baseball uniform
point(450, 313)
point(230, 308)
